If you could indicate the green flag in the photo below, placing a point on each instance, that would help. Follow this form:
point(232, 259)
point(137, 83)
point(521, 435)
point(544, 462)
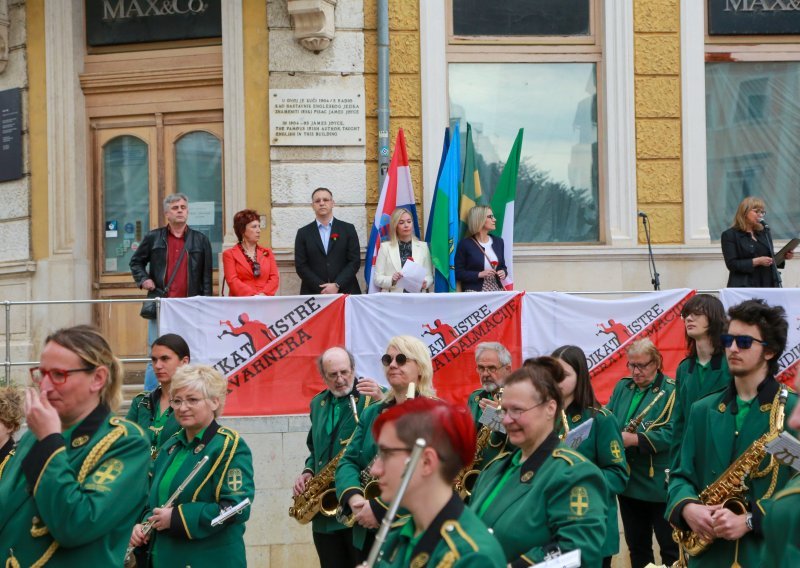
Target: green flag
point(470, 184)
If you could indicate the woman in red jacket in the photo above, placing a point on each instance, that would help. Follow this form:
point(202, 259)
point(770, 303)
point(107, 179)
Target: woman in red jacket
point(250, 270)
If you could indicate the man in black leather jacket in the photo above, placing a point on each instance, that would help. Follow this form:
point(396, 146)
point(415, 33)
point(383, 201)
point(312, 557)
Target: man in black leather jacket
point(154, 261)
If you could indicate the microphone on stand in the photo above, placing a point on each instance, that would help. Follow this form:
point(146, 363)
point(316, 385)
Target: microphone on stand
point(655, 277)
point(764, 224)
point(642, 214)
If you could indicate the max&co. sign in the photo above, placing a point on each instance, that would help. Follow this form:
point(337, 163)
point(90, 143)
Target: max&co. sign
point(113, 22)
point(753, 17)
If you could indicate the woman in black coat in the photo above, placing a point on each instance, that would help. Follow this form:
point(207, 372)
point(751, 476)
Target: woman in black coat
point(480, 258)
point(747, 248)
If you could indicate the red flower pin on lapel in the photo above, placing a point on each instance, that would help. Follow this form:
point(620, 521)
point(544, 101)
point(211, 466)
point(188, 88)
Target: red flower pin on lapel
point(334, 236)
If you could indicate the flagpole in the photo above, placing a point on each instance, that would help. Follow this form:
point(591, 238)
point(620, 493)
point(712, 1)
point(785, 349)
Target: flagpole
point(383, 90)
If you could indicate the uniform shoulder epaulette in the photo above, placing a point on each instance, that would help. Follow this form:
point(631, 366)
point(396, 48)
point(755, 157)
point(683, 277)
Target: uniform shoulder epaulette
point(319, 394)
point(669, 380)
point(125, 423)
point(458, 540)
point(602, 410)
point(569, 456)
point(229, 432)
point(143, 393)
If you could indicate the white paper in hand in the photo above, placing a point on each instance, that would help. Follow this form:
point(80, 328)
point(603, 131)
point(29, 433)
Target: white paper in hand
point(413, 276)
point(576, 436)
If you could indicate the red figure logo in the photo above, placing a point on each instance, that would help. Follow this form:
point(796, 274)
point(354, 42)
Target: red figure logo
point(618, 330)
point(257, 332)
point(445, 331)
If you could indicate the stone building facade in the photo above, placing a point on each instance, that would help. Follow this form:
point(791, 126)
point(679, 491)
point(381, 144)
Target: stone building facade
point(650, 62)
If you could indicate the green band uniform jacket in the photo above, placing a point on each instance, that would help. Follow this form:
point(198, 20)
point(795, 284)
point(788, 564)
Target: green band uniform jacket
point(603, 447)
point(359, 456)
point(710, 445)
point(558, 498)
point(72, 500)
point(648, 460)
point(782, 527)
point(324, 446)
point(498, 442)
point(693, 383)
point(142, 411)
point(225, 480)
point(456, 538)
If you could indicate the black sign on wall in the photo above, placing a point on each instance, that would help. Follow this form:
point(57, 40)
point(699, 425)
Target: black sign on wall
point(520, 17)
point(753, 17)
point(112, 22)
point(10, 135)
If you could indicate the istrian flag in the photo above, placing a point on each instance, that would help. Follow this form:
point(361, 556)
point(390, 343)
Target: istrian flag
point(444, 233)
point(470, 184)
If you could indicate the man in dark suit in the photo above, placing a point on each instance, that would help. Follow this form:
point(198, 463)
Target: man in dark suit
point(327, 254)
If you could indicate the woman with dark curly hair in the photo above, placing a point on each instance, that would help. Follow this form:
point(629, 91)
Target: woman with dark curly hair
point(250, 270)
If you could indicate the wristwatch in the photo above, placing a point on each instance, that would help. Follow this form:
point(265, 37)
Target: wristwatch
point(748, 521)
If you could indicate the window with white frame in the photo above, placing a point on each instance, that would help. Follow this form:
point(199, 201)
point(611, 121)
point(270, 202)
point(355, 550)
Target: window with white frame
point(535, 65)
point(752, 114)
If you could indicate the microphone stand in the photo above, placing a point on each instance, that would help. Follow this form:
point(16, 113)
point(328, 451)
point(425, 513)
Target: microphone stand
point(775, 273)
point(654, 276)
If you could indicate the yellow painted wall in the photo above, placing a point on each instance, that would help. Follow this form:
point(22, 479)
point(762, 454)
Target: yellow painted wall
point(37, 128)
point(657, 88)
point(256, 87)
point(404, 91)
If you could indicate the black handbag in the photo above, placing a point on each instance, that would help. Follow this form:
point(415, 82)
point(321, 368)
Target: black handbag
point(149, 310)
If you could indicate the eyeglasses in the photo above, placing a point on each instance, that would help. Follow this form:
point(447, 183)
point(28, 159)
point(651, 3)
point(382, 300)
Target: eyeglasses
point(256, 269)
point(384, 453)
point(336, 374)
point(760, 211)
point(515, 413)
point(57, 376)
point(639, 366)
point(491, 369)
point(176, 403)
point(742, 341)
point(400, 358)
point(490, 216)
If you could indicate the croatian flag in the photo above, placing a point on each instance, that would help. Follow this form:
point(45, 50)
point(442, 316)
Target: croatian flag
point(396, 192)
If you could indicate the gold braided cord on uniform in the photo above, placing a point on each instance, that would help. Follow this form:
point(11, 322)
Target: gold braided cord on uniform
point(228, 463)
point(666, 413)
point(97, 452)
point(5, 461)
point(773, 465)
point(213, 469)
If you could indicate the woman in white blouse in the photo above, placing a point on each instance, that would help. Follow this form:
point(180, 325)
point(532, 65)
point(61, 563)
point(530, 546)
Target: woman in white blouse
point(403, 246)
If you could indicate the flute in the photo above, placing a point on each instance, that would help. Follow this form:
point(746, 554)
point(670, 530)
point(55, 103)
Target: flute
point(386, 524)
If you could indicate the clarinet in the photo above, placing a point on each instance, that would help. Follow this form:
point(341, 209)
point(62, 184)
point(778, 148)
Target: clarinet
point(386, 524)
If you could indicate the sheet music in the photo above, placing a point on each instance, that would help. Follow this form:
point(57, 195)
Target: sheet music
point(576, 436)
point(491, 419)
point(786, 449)
point(571, 559)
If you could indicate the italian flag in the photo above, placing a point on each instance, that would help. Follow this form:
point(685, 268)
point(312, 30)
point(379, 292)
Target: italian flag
point(503, 207)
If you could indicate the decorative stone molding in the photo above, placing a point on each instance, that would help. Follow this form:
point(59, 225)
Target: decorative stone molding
point(5, 24)
point(313, 22)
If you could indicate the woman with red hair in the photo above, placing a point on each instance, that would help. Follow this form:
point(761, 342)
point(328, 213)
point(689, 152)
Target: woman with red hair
point(250, 270)
point(440, 528)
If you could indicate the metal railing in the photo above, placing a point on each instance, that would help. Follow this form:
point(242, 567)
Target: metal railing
point(8, 363)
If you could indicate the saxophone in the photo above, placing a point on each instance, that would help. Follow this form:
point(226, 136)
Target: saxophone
point(465, 480)
point(728, 489)
point(319, 495)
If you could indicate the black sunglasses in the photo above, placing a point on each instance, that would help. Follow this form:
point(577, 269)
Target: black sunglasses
point(400, 358)
point(256, 269)
point(742, 341)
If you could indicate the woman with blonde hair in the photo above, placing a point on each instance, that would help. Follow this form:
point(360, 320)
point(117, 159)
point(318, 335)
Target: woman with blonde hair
point(480, 259)
point(748, 249)
point(403, 246)
point(406, 361)
point(183, 534)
